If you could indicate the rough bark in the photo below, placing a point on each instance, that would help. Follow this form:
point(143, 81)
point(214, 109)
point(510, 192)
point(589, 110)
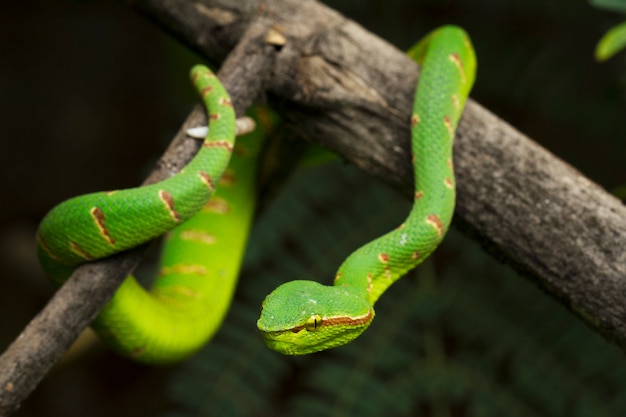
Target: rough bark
point(351, 91)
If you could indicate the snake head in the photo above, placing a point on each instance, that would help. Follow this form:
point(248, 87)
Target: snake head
point(301, 317)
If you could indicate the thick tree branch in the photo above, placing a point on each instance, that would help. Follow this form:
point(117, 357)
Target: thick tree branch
point(77, 303)
point(351, 91)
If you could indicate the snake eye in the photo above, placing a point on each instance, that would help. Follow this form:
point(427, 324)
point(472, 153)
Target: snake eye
point(313, 323)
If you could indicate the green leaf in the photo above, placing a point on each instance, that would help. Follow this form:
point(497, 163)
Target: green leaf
point(611, 43)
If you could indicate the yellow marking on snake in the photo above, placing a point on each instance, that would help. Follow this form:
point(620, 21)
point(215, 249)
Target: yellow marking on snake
point(185, 291)
point(217, 205)
point(44, 245)
point(448, 124)
point(435, 222)
point(224, 101)
point(456, 60)
point(456, 102)
point(168, 201)
point(99, 219)
point(80, 252)
point(198, 236)
point(228, 178)
point(183, 269)
point(207, 180)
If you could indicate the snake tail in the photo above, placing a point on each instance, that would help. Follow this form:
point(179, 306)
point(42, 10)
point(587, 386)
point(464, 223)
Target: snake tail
point(301, 317)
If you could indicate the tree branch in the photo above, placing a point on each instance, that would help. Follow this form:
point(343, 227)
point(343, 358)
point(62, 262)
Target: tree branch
point(76, 304)
point(351, 91)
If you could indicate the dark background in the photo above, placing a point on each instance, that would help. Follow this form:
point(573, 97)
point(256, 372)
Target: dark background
point(91, 93)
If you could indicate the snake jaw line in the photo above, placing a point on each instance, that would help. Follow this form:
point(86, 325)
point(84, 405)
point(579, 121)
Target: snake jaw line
point(351, 321)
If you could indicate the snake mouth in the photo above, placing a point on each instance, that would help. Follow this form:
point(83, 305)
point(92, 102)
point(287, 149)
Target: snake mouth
point(273, 341)
point(287, 344)
point(333, 332)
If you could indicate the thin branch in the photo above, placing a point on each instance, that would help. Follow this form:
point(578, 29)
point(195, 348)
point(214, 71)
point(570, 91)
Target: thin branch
point(42, 343)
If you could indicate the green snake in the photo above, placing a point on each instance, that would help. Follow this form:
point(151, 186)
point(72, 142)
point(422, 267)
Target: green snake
point(301, 317)
point(201, 255)
point(207, 230)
